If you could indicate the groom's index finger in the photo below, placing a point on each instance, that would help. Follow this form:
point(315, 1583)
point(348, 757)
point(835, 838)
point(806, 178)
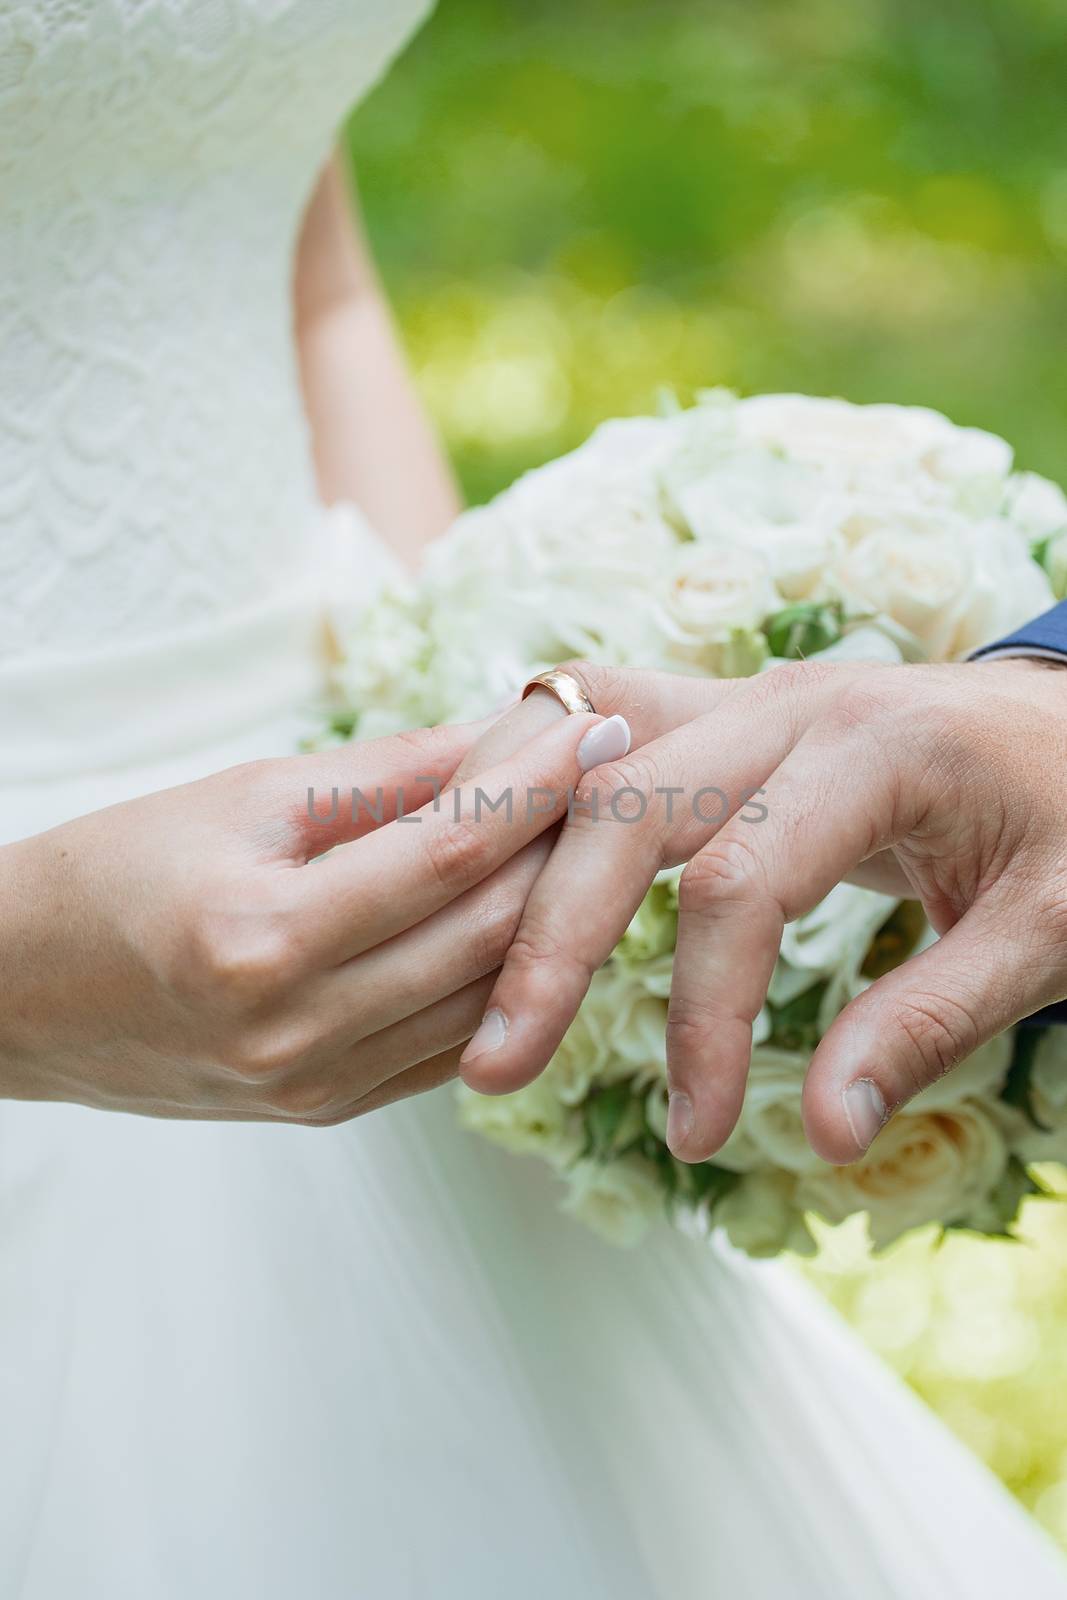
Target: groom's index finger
point(692, 779)
point(653, 703)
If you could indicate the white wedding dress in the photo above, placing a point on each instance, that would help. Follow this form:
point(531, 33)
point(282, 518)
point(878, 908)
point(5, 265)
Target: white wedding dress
point(254, 1363)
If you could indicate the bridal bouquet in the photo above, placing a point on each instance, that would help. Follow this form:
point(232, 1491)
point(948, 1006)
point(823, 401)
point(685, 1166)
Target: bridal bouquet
point(723, 540)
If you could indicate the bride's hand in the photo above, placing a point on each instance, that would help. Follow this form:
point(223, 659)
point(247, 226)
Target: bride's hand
point(948, 769)
point(198, 953)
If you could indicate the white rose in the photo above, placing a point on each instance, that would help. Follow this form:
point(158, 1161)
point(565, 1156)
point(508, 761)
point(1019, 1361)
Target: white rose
point(834, 432)
point(710, 589)
point(761, 1216)
point(832, 939)
point(619, 1033)
point(620, 1200)
point(580, 1060)
point(1036, 505)
point(868, 642)
point(1055, 563)
point(934, 1166)
point(770, 1119)
point(767, 505)
point(533, 1121)
point(952, 588)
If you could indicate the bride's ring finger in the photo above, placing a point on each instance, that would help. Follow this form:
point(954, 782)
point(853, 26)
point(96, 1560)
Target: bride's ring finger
point(372, 1069)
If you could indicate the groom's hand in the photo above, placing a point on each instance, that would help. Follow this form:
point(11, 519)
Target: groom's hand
point(773, 789)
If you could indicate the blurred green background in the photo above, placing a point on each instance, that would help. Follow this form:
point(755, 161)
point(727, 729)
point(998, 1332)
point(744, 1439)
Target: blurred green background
point(578, 202)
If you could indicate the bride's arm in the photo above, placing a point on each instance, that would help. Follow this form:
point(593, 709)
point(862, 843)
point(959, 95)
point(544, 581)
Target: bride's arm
point(373, 442)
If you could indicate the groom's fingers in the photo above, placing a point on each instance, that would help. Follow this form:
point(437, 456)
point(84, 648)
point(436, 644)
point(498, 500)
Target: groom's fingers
point(919, 1021)
point(608, 853)
point(827, 807)
point(653, 703)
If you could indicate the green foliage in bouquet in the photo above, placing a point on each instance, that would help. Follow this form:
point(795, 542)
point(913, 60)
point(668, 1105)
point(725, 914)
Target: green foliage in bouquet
point(725, 540)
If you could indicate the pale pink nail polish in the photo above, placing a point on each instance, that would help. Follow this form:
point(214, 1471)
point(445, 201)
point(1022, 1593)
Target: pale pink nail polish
point(865, 1111)
point(492, 1032)
point(608, 741)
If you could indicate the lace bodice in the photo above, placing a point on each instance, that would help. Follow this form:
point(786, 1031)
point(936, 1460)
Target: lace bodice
point(155, 157)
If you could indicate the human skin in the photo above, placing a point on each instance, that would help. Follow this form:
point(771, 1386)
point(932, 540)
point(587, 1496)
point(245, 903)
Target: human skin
point(943, 783)
point(230, 949)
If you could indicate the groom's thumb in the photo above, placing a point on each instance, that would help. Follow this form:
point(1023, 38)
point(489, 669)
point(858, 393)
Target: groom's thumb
point(911, 1027)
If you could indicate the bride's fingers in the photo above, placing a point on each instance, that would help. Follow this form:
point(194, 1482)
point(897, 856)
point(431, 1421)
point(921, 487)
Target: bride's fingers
point(365, 892)
point(514, 728)
point(826, 807)
point(312, 793)
point(329, 1091)
point(429, 1074)
point(428, 962)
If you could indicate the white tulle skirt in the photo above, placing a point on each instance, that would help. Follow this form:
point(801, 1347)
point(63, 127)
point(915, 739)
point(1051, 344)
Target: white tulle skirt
point(241, 1362)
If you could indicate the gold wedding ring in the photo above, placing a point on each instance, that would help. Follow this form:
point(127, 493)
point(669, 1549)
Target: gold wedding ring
point(567, 690)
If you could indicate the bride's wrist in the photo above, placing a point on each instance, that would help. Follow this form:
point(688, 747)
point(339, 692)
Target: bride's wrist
point(25, 921)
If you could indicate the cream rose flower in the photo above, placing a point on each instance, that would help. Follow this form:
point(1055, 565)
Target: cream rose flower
point(934, 1166)
point(761, 1216)
point(836, 433)
point(1056, 565)
point(619, 1033)
point(832, 939)
point(533, 1121)
point(1036, 505)
point(770, 1122)
point(620, 1200)
point(709, 590)
point(951, 587)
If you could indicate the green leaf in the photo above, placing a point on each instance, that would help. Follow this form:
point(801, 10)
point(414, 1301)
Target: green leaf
point(997, 1216)
point(803, 630)
point(607, 1125)
point(705, 1182)
point(1018, 1085)
point(795, 1026)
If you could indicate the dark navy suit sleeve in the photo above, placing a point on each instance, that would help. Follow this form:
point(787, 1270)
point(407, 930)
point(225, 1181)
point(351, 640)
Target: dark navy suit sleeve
point(1046, 638)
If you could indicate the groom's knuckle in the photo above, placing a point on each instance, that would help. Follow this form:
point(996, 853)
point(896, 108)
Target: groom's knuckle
point(601, 684)
point(541, 955)
point(726, 869)
point(866, 705)
point(940, 1032)
point(690, 1021)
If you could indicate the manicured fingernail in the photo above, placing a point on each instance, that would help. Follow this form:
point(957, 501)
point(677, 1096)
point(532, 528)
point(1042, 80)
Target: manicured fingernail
point(608, 741)
point(492, 1032)
point(679, 1121)
point(865, 1111)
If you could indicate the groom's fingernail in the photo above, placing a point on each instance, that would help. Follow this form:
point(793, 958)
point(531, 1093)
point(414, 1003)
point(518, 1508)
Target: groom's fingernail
point(608, 741)
point(865, 1111)
point(492, 1032)
point(679, 1122)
